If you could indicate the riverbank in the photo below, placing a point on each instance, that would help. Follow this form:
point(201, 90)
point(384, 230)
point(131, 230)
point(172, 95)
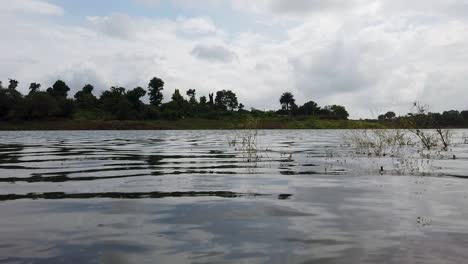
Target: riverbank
point(189, 124)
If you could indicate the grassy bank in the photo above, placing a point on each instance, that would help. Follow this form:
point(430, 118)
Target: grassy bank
point(187, 124)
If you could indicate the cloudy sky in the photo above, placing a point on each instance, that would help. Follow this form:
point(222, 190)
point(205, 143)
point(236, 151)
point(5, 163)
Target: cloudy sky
point(369, 55)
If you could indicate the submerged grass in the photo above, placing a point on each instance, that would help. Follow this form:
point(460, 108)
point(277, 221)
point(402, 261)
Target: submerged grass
point(405, 151)
point(245, 140)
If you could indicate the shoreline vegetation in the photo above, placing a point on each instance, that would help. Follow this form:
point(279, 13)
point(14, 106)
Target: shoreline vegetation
point(186, 124)
point(195, 124)
point(119, 108)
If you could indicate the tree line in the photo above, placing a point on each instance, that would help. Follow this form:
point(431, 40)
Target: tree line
point(119, 103)
point(422, 117)
point(311, 108)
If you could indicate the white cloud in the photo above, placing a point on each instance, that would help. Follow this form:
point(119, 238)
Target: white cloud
point(30, 7)
point(196, 25)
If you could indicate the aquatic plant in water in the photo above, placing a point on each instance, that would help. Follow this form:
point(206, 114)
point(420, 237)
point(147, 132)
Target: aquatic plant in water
point(245, 141)
point(406, 151)
point(413, 149)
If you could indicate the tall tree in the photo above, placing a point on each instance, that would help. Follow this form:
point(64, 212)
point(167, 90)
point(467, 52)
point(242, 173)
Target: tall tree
point(203, 100)
point(211, 101)
point(59, 90)
point(155, 88)
point(226, 100)
point(135, 95)
point(287, 101)
point(13, 84)
point(85, 98)
point(88, 89)
point(11, 101)
point(220, 100)
point(177, 97)
point(231, 100)
point(191, 93)
point(34, 87)
point(115, 102)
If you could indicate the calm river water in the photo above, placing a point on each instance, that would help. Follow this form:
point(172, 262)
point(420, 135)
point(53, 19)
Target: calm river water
point(195, 197)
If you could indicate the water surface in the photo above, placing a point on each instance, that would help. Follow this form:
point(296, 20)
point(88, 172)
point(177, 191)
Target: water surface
point(192, 197)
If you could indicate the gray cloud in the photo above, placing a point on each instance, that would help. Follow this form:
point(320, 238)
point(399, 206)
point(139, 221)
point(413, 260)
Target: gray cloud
point(333, 70)
point(296, 8)
point(308, 6)
point(116, 25)
point(213, 53)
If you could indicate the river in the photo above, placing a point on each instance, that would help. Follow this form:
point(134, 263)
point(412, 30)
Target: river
point(275, 196)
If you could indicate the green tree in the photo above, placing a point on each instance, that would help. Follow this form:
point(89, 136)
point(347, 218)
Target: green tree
point(85, 98)
point(226, 100)
point(124, 109)
point(390, 115)
point(191, 93)
point(231, 100)
point(13, 84)
point(220, 100)
point(59, 90)
point(115, 102)
point(451, 118)
point(11, 102)
point(464, 114)
point(309, 108)
point(288, 102)
point(202, 106)
point(41, 105)
point(134, 96)
point(6, 104)
point(203, 101)
point(211, 101)
point(178, 98)
point(66, 107)
point(34, 87)
point(155, 88)
point(88, 89)
point(152, 112)
point(337, 112)
point(177, 108)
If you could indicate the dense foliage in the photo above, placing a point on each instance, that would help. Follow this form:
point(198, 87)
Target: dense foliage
point(119, 103)
point(421, 117)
